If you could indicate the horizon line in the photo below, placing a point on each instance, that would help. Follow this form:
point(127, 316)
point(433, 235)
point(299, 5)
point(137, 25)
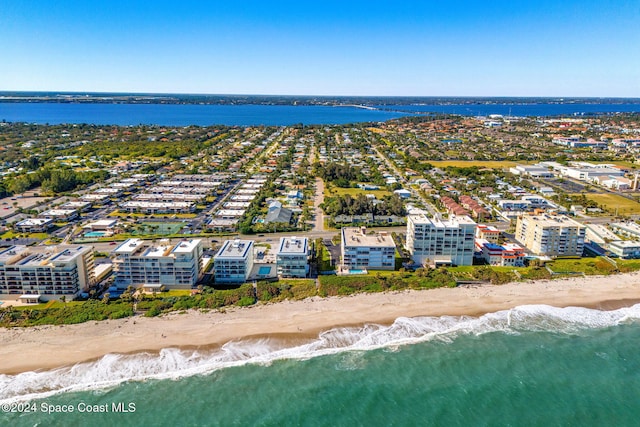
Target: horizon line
point(77, 92)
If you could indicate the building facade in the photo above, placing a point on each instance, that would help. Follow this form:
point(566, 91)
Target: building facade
point(34, 225)
point(488, 232)
point(292, 257)
point(507, 255)
point(436, 242)
point(367, 251)
point(233, 262)
point(551, 235)
point(625, 249)
point(140, 263)
point(66, 272)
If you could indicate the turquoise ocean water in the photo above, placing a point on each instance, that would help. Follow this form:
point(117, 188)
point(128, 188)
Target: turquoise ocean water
point(533, 365)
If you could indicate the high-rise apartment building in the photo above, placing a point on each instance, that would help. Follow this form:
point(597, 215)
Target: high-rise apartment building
point(551, 235)
point(434, 242)
point(32, 275)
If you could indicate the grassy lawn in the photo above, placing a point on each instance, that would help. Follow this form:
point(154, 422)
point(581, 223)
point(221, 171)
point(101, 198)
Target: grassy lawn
point(175, 293)
point(40, 236)
point(325, 258)
point(326, 225)
point(622, 163)
point(354, 192)
point(117, 213)
point(613, 201)
point(162, 228)
point(492, 164)
point(11, 235)
point(588, 266)
point(48, 304)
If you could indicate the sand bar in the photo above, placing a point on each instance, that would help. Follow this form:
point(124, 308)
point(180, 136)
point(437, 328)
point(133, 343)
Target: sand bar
point(45, 347)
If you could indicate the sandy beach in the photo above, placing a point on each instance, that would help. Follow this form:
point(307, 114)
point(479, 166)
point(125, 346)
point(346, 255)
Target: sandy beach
point(45, 347)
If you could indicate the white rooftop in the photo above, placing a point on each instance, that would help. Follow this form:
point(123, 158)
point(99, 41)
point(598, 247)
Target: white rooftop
point(59, 212)
point(156, 204)
point(234, 249)
point(103, 223)
point(128, 246)
point(186, 246)
point(230, 212)
point(354, 236)
point(33, 221)
point(421, 218)
point(293, 245)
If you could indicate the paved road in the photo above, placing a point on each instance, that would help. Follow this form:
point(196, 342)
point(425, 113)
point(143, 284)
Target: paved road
point(318, 224)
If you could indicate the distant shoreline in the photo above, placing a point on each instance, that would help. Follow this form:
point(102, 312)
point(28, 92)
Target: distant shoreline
point(325, 100)
point(50, 347)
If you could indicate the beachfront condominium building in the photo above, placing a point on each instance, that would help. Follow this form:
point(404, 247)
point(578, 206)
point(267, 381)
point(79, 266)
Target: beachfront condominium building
point(292, 257)
point(139, 263)
point(373, 251)
point(507, 255)
point(233, 262)
point(32, 275)
point(551, 235)
point(433, 242)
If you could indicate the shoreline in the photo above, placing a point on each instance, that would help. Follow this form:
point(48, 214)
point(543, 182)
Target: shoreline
point(50, 347)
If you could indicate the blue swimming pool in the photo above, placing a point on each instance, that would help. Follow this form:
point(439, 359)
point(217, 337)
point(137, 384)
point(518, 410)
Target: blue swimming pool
point(264, 270)
point(94, 234)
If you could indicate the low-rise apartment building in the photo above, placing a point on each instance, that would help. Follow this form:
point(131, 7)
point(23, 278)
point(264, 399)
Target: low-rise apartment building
point(625, 249)
point(488, 232)
point(33, 225)
point(292, 257)
point(142, 263)
point(507, 255)
point(158, 207)
point(234, 261)
point(627, 229)
point(360, 250)
point(60, 214)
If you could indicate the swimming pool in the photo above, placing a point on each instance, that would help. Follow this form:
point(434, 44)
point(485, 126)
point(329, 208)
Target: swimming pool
point(95, 234)
point(357, 271)
point(264, 270)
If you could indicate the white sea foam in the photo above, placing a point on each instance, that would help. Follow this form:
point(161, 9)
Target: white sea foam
point(172, 363)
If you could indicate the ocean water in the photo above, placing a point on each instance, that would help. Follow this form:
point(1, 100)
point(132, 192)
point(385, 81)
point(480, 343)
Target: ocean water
point(533, 365)
point(271, 115)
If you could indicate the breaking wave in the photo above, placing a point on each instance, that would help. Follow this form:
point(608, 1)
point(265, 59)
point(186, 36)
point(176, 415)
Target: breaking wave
point(174, 363)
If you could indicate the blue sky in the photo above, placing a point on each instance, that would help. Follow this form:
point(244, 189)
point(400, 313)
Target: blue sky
point(412, 48)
